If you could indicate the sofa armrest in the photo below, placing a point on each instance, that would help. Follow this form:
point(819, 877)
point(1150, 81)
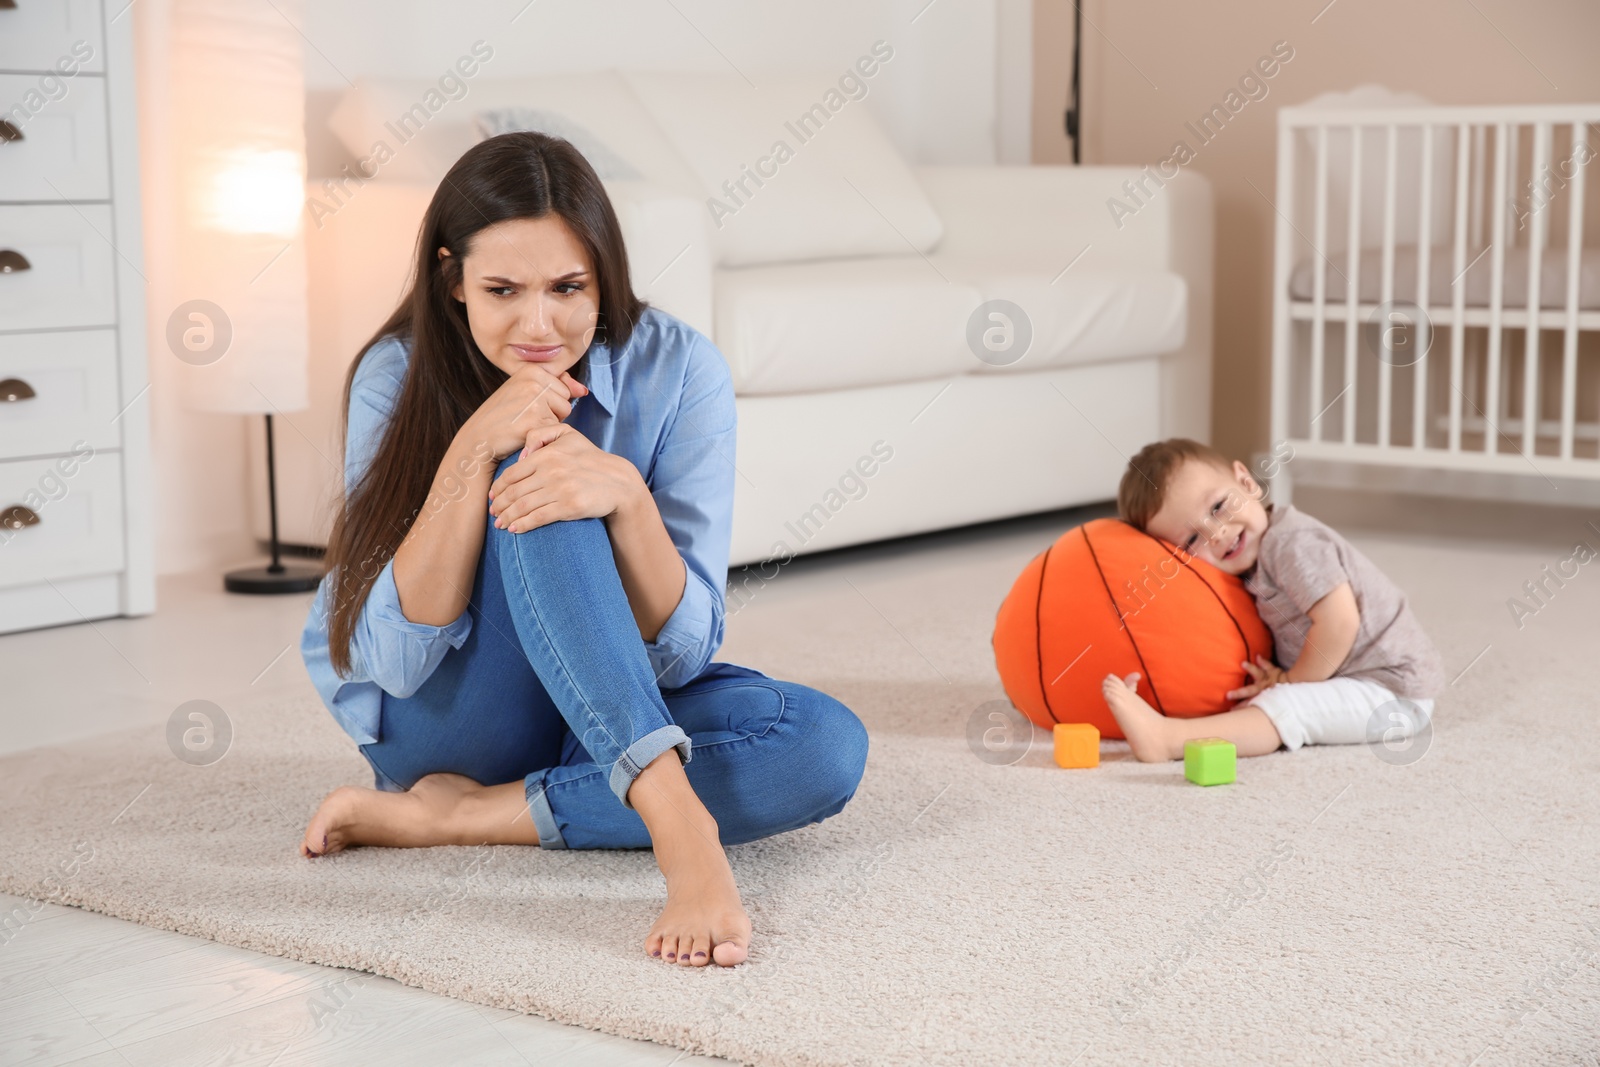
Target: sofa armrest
point(669, 249)
point(1046, 216)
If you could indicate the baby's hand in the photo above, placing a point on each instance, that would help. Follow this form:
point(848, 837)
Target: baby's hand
point(1264, 674)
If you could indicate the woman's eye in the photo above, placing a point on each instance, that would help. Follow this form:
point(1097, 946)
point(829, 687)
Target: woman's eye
point(499, 290)
point(568, 287)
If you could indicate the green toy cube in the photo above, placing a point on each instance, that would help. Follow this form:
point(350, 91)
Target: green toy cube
point(1209, 761)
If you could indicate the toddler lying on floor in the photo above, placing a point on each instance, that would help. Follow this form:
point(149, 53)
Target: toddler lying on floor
point(1360, 667)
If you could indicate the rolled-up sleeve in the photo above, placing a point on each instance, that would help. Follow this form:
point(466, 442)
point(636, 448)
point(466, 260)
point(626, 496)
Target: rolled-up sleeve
point(692, 482)
point(690, 636)
point(403, 653)
point(389, 653)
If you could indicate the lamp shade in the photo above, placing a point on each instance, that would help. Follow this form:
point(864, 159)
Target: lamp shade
point(239, 327)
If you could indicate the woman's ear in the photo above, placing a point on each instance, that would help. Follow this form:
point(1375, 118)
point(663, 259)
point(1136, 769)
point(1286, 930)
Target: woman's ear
point(443, 254)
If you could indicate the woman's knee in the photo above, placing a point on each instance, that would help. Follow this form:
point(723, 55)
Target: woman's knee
point(563, 536)
point(835, 752)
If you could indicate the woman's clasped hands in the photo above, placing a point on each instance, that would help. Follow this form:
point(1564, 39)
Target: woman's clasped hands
point(559, 473)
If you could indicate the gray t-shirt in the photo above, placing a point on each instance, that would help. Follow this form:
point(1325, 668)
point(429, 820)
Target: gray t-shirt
point(1302, 560)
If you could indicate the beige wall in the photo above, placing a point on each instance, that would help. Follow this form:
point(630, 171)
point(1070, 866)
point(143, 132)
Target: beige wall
point(1149, 66)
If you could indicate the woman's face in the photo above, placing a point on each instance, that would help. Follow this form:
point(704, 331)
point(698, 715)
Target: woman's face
point(530, 292)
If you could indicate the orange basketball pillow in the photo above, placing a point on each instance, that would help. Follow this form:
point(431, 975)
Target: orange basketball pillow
point(1107, 598)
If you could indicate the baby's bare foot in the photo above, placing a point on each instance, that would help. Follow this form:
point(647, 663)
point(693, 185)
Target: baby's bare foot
point(1143, 726)
point(704, 920)
point(426, 814)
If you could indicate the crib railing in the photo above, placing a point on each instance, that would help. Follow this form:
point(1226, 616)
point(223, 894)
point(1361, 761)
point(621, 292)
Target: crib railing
point(1436, 303)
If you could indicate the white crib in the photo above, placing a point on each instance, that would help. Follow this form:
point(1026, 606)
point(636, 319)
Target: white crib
point(1435, 305)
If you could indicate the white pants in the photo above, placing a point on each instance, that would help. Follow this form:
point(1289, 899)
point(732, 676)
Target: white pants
point(1341, 711)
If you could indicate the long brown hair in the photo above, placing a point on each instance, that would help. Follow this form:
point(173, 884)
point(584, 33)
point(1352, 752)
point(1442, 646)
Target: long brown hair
point(521, 175)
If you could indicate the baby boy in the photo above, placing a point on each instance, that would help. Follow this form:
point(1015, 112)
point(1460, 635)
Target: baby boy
point(1359, 666)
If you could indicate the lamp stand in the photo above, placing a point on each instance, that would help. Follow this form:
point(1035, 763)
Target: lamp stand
point(1075, 100)
point(275, 577)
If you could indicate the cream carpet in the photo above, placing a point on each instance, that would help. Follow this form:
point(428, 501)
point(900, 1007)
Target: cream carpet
point(1329, 908)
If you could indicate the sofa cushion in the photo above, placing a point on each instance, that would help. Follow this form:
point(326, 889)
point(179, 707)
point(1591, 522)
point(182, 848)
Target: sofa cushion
point(794, 170)
point(1077, 315)
point(808, 327)
point(607, 164)
point(598, 102)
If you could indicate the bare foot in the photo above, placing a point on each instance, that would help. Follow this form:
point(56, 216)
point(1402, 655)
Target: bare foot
point(1143, 726)
point(704, 920)
point(440, 809)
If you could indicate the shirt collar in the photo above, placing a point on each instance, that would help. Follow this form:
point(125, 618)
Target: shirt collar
point(598, 361)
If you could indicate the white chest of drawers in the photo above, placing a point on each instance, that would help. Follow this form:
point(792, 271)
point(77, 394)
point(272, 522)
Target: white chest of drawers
point(76, 493)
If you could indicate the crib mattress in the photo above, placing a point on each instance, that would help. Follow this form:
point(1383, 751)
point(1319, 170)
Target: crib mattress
point(1441, 273)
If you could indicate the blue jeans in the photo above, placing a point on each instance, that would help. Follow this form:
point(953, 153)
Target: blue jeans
point(553, 686)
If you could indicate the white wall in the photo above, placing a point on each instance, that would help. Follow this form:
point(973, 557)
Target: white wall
point(938, 101)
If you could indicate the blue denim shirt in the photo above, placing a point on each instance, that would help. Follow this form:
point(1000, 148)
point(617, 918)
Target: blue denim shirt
point(664, 401)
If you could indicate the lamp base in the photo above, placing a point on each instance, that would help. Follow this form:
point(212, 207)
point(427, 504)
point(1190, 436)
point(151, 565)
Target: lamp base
point(285, 578)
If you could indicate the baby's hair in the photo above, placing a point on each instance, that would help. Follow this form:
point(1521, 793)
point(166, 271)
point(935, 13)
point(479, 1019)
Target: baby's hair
point(1144, 483)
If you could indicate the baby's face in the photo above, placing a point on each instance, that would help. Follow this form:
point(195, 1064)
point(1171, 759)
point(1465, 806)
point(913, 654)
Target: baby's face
point(1213, 513)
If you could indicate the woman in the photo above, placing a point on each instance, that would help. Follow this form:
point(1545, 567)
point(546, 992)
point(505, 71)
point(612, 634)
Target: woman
point(525, 429)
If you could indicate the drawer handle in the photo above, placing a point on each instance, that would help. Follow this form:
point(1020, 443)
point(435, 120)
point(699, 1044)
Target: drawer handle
point(17, 516)
point(14, 389)
point(12, 261)
point(8, 130)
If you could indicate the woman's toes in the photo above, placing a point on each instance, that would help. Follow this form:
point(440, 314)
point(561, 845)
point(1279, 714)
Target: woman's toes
point(669, 948)
point(652, 946)
point(315, 842)
point(730, 952)
point(700, 954)
point(326, 831)
point(732, 944)
point(685, 948)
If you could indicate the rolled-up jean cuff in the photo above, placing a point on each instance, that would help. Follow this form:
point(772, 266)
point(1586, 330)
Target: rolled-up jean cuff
point(642, 753)
point(380, 781)
point(544, 820)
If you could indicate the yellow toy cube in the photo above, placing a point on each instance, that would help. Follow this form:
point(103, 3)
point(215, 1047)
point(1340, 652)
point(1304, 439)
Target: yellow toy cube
point(1077, 744)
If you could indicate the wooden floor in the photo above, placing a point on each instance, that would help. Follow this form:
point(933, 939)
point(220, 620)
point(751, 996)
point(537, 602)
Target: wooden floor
point(85, 989)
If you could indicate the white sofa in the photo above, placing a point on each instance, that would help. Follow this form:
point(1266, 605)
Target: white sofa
point(864, 412)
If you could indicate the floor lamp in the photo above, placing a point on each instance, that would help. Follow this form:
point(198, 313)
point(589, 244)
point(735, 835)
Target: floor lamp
point(277, 576)
point(238, 108)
